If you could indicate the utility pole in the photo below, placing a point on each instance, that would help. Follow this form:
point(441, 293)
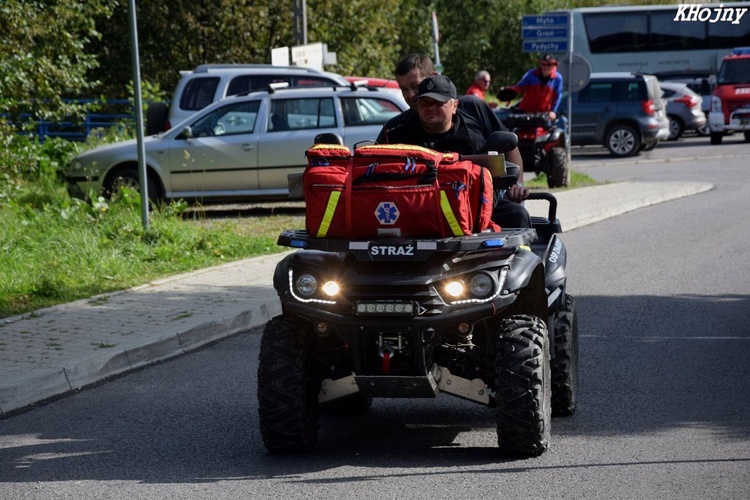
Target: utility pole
point(300, 22)
point(142, 175)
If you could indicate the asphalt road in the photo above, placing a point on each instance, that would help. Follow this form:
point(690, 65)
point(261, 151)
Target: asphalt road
point(663, 412)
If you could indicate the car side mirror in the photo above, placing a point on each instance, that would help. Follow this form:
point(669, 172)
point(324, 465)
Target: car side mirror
point(187, 133)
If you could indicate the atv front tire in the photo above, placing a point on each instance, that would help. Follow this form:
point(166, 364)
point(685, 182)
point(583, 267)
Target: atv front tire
point(287, 393)
point(523, 386)
point(565, 362)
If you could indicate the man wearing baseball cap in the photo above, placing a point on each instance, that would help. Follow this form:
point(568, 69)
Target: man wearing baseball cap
point(438, 124)
point(540, 88)
point(409, 73)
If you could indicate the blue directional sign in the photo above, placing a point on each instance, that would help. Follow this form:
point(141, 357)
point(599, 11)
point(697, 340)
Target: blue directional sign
point(544, 45)
point(545, 20)
point(539, 32)
point(545, 33)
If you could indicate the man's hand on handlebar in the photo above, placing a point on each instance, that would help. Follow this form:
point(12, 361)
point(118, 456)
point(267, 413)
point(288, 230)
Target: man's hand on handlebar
point(517, 193)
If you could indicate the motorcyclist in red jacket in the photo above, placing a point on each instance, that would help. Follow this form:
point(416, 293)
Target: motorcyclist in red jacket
point(540, 88)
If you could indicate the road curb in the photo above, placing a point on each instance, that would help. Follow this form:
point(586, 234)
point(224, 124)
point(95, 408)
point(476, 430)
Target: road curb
point(46, 383)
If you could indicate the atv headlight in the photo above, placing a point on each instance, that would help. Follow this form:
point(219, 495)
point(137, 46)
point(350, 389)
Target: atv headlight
point(476, 288)
point(305, 288)
point(481, 285)
point(331, 288)
point(455, 288)
point(306, 284)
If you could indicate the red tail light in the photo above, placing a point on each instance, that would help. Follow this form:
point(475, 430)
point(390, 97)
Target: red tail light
point(648, 107)
point(688, 101)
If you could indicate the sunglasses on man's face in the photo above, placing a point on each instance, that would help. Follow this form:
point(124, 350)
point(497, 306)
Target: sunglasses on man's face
point(548, 64)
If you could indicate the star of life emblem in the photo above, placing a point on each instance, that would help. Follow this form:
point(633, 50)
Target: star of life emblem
point(387, 213)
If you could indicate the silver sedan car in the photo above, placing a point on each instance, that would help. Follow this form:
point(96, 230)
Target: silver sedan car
point(239, 148)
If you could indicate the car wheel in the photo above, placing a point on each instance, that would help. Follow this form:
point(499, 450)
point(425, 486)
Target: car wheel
point(128, 178)
point(523, 386)
point(156, 118)
point(704, 131)
point(716, 138)
point(623, 141)
point(747, 136)
point(676, 128)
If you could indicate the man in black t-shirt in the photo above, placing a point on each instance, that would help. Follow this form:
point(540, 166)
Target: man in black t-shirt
point(439, 124)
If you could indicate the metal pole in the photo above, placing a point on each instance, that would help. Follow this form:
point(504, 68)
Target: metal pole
point(300, 22)
point(435, 42)
point(142, 176)
point(570, 97)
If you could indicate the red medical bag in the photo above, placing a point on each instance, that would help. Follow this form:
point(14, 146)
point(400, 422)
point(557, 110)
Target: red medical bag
point(393, 191)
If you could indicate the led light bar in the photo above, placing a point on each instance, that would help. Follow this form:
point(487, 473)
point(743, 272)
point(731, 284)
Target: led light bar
point(385, 308)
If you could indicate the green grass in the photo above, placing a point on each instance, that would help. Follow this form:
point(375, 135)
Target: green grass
point(577, 180)
point(55, 249)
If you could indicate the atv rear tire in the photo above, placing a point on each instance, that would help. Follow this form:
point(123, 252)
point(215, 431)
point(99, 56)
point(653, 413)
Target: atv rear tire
point(287, 394)
point(523, 386)
point(558, 168)
point(565, 362)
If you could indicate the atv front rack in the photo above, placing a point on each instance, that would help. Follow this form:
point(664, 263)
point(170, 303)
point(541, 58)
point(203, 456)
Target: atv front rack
point(393, 249)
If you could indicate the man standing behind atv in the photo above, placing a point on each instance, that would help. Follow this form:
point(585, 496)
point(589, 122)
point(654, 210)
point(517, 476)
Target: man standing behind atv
point(439, 124)
point(541, 88)
point(480, 86)
point(410, 72)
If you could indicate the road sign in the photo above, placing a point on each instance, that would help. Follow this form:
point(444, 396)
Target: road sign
point(545, 33)
point(544, 45)
point(534, 33)
point(579, 74)
point(545, 20)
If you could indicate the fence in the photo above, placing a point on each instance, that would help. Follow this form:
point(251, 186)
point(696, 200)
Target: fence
point(121, 111)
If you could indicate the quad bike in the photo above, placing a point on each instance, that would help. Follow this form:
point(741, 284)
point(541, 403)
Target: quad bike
point(485, 317)
point(540, 142)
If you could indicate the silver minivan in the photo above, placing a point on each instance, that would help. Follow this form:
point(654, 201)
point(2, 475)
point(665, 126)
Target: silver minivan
point(208, 83)
point(239, 148)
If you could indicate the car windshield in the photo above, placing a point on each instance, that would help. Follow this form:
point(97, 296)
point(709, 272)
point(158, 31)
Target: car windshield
point(734, 71)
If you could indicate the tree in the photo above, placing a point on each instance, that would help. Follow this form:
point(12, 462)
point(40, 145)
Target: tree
point(45, 56)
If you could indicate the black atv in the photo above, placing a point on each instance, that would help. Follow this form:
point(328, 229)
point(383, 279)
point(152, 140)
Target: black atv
point(485, 317)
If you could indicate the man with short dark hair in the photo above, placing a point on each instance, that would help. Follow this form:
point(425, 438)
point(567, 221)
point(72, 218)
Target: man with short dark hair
point(410, 71)
point(439, 124)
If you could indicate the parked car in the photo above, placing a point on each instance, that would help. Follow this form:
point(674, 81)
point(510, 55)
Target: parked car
point(383, 84)
point(684, 109)
point(624, 112)
point(241, 147)
point(700, 82)
point(208, 83)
